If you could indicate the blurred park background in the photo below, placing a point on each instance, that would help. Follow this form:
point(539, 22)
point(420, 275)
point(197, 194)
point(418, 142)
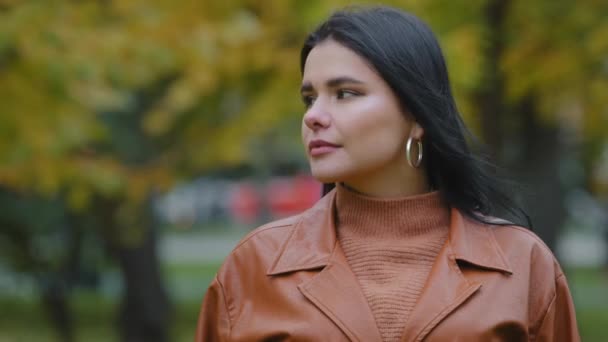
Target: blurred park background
point(141, 139)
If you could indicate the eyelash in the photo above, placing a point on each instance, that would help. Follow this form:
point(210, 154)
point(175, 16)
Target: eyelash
point(309, 99)
point(350, 92)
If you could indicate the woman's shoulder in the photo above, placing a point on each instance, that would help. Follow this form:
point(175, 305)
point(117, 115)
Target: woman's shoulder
point(274, 232)
point(522, 245)
point(256, 251)
point(268, 239)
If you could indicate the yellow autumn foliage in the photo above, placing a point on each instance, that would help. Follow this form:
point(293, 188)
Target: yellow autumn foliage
point(228, 73)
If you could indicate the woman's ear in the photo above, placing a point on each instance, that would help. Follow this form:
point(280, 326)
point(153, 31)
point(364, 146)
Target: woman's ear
point(416, 132)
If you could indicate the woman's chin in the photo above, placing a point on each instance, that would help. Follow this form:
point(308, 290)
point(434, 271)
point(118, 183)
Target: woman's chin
point(327, 176)
point(324, 178)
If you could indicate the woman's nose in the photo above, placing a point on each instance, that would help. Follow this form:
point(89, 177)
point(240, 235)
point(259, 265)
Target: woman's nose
point(316, 117)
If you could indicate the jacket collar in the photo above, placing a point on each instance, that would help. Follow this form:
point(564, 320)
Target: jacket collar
point(474, 243)
point(313, 239)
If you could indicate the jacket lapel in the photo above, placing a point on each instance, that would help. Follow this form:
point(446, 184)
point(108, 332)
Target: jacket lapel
point(335, 290)
point(447, 287)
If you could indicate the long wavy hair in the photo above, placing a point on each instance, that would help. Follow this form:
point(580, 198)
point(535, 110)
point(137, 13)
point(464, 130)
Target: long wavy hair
point(406, 54)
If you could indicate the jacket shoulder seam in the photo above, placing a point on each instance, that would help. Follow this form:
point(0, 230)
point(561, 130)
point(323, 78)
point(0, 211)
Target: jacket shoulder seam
point(542, 321)
point(224, 295)
point(529, 233)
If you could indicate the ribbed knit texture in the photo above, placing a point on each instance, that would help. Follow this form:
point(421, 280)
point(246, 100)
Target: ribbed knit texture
point(391, 245)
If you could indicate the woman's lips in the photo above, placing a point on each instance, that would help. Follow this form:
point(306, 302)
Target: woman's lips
point(321, 150)
point(319, 147)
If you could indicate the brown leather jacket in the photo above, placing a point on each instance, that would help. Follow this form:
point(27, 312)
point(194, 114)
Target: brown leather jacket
point(289, 281)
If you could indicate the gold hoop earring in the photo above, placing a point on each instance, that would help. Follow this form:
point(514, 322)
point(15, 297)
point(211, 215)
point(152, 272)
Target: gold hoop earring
point(408, 154)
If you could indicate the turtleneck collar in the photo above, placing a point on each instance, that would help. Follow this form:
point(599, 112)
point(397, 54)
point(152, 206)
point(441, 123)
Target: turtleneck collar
point(390, 217)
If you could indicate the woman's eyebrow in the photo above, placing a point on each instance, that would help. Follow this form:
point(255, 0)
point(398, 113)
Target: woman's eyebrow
point(331, 83)
point(334, 82)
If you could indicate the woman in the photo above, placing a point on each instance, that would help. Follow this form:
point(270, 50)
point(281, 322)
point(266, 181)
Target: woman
point(404, 247)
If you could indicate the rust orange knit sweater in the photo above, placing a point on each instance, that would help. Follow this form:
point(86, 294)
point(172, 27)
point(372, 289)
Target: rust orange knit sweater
point(390, 245)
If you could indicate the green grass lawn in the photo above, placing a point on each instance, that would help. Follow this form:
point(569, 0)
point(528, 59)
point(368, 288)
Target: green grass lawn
point(22, 319)
point(589, 289)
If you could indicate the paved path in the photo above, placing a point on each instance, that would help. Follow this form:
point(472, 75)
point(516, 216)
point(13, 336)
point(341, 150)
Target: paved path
point(198, 247)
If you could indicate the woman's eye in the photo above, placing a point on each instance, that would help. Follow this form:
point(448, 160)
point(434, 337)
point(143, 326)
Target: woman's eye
point(308, 100)
point(341, 94)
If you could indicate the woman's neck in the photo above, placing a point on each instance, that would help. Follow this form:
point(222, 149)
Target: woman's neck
point(390, 217)
point(385, 188)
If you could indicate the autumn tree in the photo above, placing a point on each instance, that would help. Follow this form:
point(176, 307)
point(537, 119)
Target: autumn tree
point(106, 103)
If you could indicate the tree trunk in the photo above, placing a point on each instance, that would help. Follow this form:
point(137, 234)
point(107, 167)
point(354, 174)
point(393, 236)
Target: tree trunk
point(538, 165)
point(55, 301)
point(515, 136)
point(490, 93)
point(144, 314)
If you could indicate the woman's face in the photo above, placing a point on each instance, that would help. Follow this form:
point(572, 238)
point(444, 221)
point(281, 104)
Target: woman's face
point(354, 130)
